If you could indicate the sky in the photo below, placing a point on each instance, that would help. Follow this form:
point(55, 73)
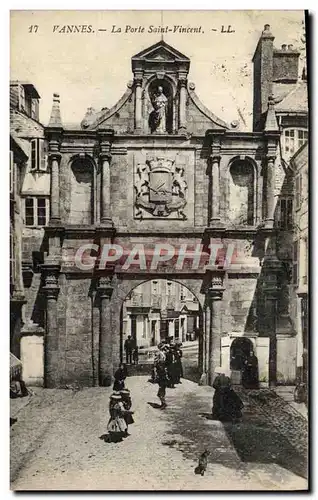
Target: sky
point(93, 69)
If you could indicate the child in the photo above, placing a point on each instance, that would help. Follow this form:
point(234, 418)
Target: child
point(135, 355)
point(127, 403)
point(162, 378)
point(117, 427)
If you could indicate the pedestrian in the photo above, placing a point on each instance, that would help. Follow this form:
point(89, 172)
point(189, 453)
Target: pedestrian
point(162, 378)
point(136, 355)
point(120, 375)
point(178, 358)
point(227, 405)
point(127, 403)
point(129, 346)
point(250, 372)
point(117, 427)
point(160, 357)
point(170, 365)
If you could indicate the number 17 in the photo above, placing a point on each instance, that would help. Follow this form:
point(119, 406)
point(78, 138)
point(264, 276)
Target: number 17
point(33, 28)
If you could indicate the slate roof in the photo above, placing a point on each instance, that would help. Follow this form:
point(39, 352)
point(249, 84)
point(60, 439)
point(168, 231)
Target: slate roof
point(295, 101)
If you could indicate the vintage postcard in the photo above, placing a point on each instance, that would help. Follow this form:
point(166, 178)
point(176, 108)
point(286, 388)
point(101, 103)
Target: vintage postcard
point(158, 250)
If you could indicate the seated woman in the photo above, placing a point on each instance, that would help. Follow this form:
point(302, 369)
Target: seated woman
point(227, 405)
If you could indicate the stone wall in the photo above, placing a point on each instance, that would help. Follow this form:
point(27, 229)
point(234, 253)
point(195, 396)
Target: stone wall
point(75, 331)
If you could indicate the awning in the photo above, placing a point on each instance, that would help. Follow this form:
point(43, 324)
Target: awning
point(15, 367)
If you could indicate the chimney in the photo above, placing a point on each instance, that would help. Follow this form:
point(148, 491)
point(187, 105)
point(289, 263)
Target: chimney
point(285, 64)
point(263, 76)
point(55, 118)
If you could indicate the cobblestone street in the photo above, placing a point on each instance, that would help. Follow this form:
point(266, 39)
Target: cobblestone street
point(56, 442)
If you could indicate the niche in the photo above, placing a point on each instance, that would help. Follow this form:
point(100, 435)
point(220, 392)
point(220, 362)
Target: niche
point(160, 119)
point(82, 199)
point(242, 193)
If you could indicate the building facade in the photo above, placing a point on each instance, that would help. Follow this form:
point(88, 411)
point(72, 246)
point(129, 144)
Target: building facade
point(32, 205)
point(300, 258)
point(159, 167)
point(159, 309)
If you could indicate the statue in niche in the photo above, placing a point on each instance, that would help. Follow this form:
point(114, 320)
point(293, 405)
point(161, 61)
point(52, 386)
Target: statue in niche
point(157, 118)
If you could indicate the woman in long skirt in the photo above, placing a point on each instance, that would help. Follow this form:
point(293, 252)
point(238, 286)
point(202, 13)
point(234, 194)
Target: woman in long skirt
point(227, 405)
point(117, 427)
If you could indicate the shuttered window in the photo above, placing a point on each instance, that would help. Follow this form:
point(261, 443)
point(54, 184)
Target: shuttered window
point(38, 155)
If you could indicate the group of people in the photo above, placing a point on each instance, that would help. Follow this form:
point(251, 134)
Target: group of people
point(120, 403)
point(167, 370)
point(131, 351)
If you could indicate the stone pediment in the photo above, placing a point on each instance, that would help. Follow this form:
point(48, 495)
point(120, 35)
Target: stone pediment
point(160, 51)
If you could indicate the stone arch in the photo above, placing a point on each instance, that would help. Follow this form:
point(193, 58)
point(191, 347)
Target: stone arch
point(169, 90)
point(242, 191)
point(82, 192)
point(126, 286)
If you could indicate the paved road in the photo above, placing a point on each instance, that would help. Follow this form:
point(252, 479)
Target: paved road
point(56, 444)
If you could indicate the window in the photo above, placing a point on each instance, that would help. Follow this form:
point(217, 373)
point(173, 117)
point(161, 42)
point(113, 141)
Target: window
point(12, 262)
point(286, 213)
point(38, 156)
point(298, 188)
point(305, 261)
point(21, 98)
point(182, 294)
point(292, 140)
point(33, 109)
point(11, 173)
point(154, 287)
point(295, 262)
point(36, 211)
point(169, 288)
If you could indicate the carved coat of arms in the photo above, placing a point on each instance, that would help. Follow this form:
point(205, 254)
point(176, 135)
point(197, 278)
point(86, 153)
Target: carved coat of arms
point(160, 188)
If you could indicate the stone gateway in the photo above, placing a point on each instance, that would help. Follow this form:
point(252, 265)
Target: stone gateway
point(159, 167)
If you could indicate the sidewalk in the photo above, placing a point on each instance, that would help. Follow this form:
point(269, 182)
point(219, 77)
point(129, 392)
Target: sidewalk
point(287, 393)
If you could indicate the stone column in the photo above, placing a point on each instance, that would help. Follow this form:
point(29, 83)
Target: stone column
point(55, 158)
point(51, 338)
point(105, 289)
point(215, 335)
point(207, 318)
point(215, 190)
point(105, 190)
point(138, 104)
point(270, 191)
point(182, 105)
point(105, 138)
point(271, 321)
point(214, 311)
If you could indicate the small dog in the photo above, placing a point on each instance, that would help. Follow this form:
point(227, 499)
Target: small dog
point(203, 462)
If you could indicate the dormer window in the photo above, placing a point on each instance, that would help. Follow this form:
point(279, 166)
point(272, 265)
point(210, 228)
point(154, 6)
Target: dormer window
point(292, 140)
point(21, 98)
point(38, 156)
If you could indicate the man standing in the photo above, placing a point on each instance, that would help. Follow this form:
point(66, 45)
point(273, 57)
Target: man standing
point(129, 346)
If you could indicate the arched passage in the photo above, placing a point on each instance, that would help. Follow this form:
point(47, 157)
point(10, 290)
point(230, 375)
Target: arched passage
point(157, 310)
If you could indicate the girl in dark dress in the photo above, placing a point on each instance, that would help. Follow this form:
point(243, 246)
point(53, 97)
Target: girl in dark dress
point(120, 376)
